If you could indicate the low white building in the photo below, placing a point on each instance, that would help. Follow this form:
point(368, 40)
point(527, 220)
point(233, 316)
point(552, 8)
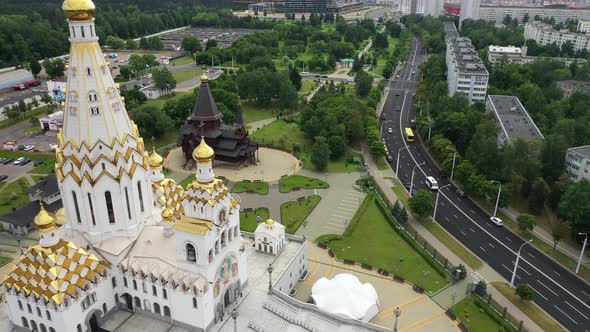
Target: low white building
point(53, 121)
point(577, 163)
point(544, 34)
point(346, 296)
point(270, 237)
point(512, 119)
point(517, 55)
point(151, 92)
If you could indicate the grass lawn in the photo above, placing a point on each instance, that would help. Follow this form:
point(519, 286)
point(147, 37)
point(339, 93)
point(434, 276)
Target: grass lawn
point(253, 113)
point(386, 250)
point(14, 195)
point(305, 56)
point(295, 182)
point(256, 187)
point(186, 75)
point(443, 236)
point(341, 165)
point(535, 313)
point(185, 60)
point(281, 134)
point(475, 318)
point(294, 213)
point(381, 163)
point(33, 129)
point(159, 103)
point(307, 86)
point(248, 221)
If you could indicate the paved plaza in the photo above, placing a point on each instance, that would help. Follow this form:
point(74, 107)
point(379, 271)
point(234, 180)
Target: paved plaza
point(271, 166)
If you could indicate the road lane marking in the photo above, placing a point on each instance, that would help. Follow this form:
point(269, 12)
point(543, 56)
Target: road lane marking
point(463, 233)
point(536, 291)
point(471, 229)
point(578, 311)
point(559, 275)
point(456, 216)
point(480, 247)
point(491, 245)
point(511, 271)
point(472, 211)
point(508, 239)
point(533, 256)
point(447, 219)
point(586, 294)
point(549, 289)
point(566, 315)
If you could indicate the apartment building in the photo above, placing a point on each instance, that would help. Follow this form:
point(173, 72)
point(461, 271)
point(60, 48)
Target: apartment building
point(465, 70)
point(475, 10)
point(513, 54)
point(512, 119)
point(544, 34)
point(577, 163)
point(584, 26)
point(412, 7)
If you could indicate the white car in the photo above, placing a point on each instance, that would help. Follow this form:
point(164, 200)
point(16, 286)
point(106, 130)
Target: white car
point(497, 221)
point(53, 147)
point(29, 147)
point(350, 80)
point(18, 161)
point(431, 183)
point(390, 130)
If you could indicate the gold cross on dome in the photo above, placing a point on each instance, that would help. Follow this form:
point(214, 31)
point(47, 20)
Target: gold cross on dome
point(38, 192)
point(201, 125)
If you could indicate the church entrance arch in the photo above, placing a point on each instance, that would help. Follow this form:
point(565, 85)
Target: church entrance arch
point(226, 298)
point(92, 321)
point(128, 302)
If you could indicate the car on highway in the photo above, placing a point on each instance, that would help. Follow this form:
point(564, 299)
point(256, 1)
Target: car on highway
point(350, 80)
point(38, 162)
point(413, 124)
point(397, 92)
point(383, 141)
point(397, 76)
point(52, 147)
point(389, 157)
point(496, 221)
point(29, 147)
point(431, 183)
point(413, 191)
point(461, 192)
point(3, 177)
point(304, 74)
point(398, 109)
point(390, 130)
point(324, 76)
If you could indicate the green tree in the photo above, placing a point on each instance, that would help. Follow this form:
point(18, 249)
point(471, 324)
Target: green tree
point(538, 196)
point(143, 43)
point(152, 121)
point(211, 43)
point(524, 292)
point(575, 205)
point(357, 65)
point(421, 204)
point(481, 288)
point(552, 157)
point(363, 84)
point(125, 71)
point(403, 215)
point(46, 98)
point(559, 230)
point(337, 146)
point(115, 43)
point(179, 110)
point(130, 44)
point(35, 67)
point(526, 222)
point(154, 43)
point(163, 80)
point(191, 45)
point(54, 68)
point(320, 153)
point(295, 78)
point(396, 209)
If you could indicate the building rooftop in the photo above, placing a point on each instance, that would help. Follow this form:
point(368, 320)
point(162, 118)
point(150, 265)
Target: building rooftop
point(465, 57)
point(23, 215)
point(582, 150)
point(504, 49)
point(47, 187)
point(513, 118)
point(582, 86)
point(450, 30)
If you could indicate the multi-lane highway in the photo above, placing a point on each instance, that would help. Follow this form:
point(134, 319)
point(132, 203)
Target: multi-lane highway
point(559, 292)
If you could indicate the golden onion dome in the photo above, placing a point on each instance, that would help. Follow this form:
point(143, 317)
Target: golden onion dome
point(203, 152)
point(79, 10)
point(44, 221)
point(269, 221)
point(155, 159)
point(204, 78)
point(167, 214)
point(60, 217)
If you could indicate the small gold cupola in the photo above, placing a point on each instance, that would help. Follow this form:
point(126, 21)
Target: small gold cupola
point(60, 217)
point(155, 159)
point(44, 221)
point(204, 78)
point(203, 152)
point(269, 221)
point(79, 10)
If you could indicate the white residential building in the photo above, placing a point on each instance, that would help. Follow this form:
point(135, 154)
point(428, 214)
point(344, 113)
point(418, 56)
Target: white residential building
point(512, 119)
point(465, 71)
point(544, 34)
point(583, 26)
point(469, 9)
point(577, 163)
point(412, 7)
point(434, 8)
point(513, 54)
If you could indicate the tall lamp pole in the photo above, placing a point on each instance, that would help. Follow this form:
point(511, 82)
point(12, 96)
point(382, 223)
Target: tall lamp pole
point(454, 159)
point(497, 198)
point(234, 315)
point(397, 313)
point(412, 179)
point(516, 263)
point(397, 162)
point(269, 269)
point(436, 201)
point(581, 252)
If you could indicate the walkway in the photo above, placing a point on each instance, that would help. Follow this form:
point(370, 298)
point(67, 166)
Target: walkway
point(274, 199)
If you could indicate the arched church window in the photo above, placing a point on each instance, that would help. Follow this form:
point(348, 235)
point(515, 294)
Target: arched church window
point(110, 210)
point(76, 207)
point(140, 193)
point(88, 71)
point(127, 201)
point(91, 209)
point(82, 32)
point(191, 254)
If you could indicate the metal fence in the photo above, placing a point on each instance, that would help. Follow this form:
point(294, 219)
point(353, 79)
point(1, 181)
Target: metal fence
point(500, 312)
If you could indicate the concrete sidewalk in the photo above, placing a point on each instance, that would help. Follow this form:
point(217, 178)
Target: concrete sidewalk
point(458, 290)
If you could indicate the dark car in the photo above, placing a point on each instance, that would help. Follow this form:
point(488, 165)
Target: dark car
point(8, 161)
point(324, 76)
point(3, 177)
point(38, 162)
point(398, 109)
point(461, 193)
point(25, 161)
point(407, 185)
point(389, 157)
point(413, 124)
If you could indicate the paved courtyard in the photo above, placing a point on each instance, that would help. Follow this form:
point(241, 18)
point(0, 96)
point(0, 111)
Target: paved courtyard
point(272, 165)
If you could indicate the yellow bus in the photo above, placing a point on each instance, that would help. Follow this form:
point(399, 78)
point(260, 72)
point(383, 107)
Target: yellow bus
point(409, 135)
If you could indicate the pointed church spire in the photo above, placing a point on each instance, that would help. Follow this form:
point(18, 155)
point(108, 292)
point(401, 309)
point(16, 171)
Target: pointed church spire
point(205, 108)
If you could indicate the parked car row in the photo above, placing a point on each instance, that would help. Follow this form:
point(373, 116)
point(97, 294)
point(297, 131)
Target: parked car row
point(20, 161)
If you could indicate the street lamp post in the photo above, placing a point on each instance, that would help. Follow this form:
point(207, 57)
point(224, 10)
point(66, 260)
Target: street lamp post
point(581, 252)
point(234, 315)
point(397, 163)
point(412, 178)
point(497, 198)
point(436, 201)
point(397, 313)
point(454, 159)
point(269, 269)
point(516, 263)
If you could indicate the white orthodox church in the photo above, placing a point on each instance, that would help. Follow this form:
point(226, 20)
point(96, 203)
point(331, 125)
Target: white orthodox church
point(127, 237)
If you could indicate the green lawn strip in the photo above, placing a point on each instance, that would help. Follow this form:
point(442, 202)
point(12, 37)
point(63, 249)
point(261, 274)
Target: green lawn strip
point(38, 112)
point(294, 213)
point(254, 113)
point(478, 317)
point(186, 75)
point(4, 260)
point(185, 60)
point(381, 163)
point(563, 259)
point(536, 314)
point(442, 235)
point(251, 187)
point(248, 221)
point(14, 195)
point(159, 103)
point(387, 249)
point(307, 86)
point(35, 128)
point(188, 180)
point(295, 182)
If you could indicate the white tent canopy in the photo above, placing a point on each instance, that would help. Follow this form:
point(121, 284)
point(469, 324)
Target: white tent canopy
point(346, 296)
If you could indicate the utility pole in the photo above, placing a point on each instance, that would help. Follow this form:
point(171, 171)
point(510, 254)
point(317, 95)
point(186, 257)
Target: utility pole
point(516, 263)
point(498, 197)
point(234, 315)
point(269, 269)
